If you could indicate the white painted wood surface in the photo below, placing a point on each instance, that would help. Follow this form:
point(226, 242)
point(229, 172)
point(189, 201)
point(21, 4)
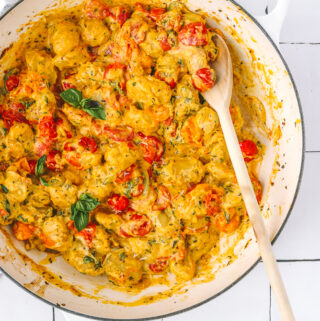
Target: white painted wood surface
point(298, 247)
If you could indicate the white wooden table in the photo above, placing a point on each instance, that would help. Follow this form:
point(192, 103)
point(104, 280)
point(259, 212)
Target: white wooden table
point(298, 247)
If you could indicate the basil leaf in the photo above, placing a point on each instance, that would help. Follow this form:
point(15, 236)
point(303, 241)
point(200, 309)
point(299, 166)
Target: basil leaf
point(73, 211)
point(4, 189)
point(44, 182)
point(93, 108)
point(81, 220)
point(88, 259)
point(72, 96)
point(88, 203)
point(40, 165)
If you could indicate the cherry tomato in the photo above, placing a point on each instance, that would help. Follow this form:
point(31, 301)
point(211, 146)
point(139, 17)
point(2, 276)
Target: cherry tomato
point(249, 150)
point(194, 34)
point(47, 127)
point(139, 225)
point(23, 231)
point(124, 234)
point(125, 175)
point(43, 147)
point(137, 186)
point(164, 43)
point(17, 107)
point(163, 200)
point(160, 265)
point(156, 13)
point(3, 212)
point(120, 133)
point(53, 160)
point(212, 203)
point(88, 233)
point(227, 225)
point(88, 143)
point(73, 159)
point(12, 83)
point(32, 165)
point(203, 79)
point(119, 14)
point(118, 203)
point(151, 147)
point(165, 77)
point(96, 9)
point(10, 117)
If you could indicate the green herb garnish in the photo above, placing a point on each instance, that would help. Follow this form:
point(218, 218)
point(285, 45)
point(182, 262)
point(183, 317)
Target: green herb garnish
point(80, 210)
point(4, 189)
point(92, 107)
point(227, 216)
point(44, 182)
point(40, 165)
point(88, 259)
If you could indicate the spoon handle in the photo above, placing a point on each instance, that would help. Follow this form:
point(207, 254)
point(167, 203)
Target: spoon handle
point(255, 215)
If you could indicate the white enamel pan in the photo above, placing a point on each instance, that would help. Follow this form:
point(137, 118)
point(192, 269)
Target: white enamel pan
point(280, 172)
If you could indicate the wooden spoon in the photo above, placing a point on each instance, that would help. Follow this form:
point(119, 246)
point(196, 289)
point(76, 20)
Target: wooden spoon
point(219, 98)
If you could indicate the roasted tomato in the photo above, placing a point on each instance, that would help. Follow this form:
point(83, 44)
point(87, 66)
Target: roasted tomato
point(67, 82)
point(156, 13)
point(194, 34)
point(88, 143)
point(118, 203)
point(249, 150)
point(23, 231)
point(125, 175)
point(203, 79)
point(17, 107)
point(11, 117)
point(47, 127)
point(32, 166)
point(96, 9)
point(12, 83)
point(151, 147)
point(227, 222)
point(163, 40)
point(53, 161)
point(212, 203)
point(120, 133)
point(138, 225)
point(119, 14)
point(115, 73)
point(160, 264)
point(88, 233)
point(163, 200)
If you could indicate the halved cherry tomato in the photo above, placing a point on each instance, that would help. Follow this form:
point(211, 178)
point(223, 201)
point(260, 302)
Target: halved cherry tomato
point(88, 143)
point(139, 225)
point(164, 43)
point(151, 147)
point(88, 233)
point(194, 34)
point(17, 107)
point(163, 200)
point(248, 149)
point(32, 165)
point(125, 175)
point(53, 161)
point(120, 133)
point(119, 14)
point(124, 234)
point(160, 265)
point(10, 117)
point(155, 13)
point(118, 203)
point(42, 146)
point(203, 79)
point(96, 9)
point(12, 83)
point(23, 231)
point(212, 203)
point(47, 127)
